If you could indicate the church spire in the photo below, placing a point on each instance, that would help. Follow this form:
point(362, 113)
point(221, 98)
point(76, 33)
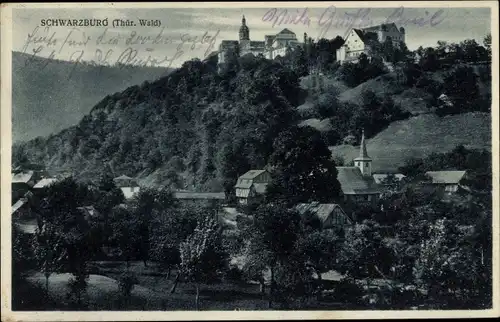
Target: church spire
point(362, 149)
point(363, 162)
point(243, 20)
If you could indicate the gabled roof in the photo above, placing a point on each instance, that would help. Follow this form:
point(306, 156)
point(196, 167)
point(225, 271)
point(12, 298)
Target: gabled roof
point(446, 177)
point(44, 183)
point(22, 177)
point(286, 31)
point(125, 181)
point(243, 185)
point(322, 210)
point(123, 177)
point(252, 174)
point(353, 182)
point(365, 36)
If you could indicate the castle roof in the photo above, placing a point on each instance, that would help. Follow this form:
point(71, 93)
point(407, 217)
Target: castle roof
point(376, 28)
point(257, 44)
point(286, 31)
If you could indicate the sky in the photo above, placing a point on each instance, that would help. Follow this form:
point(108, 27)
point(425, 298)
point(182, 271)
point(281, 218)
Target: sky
point(188, 33)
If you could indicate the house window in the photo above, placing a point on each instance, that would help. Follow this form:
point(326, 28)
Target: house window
point(366, 164)
point(369, 198)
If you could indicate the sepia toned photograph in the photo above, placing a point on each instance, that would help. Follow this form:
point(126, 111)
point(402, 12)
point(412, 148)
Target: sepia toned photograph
point(243, 157)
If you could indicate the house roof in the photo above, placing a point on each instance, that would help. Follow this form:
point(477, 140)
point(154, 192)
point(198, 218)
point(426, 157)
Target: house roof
point(243, 184)
point(45, 182)
point(22, 177)
point(446, 177)
point(200, 195)
point(15, 207)
point(123, 177)
point(322, 210)
point(125, 181)
point(252, 174)
point(365, 36)
point(353, 182)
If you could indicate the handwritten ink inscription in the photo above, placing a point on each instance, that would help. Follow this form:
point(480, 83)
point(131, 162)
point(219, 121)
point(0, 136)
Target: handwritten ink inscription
point(356, 18)
point(134, 48)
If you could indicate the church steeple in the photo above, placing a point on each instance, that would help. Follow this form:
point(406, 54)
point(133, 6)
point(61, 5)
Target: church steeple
point(363, 162)
point(362, 150)
point(244, 31)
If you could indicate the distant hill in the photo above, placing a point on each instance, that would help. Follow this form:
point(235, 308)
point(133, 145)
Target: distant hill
point(188, 128)
point(51, 95)
point(420, 136)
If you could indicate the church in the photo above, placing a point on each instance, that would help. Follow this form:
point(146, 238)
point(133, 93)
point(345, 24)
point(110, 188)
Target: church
point(357, 183)
point(271, 47)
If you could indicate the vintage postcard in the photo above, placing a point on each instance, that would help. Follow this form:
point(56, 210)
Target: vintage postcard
point(288, 160)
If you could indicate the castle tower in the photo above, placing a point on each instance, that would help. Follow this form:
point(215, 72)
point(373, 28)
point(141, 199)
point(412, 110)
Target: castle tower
point(363, 162)
point(244, 31)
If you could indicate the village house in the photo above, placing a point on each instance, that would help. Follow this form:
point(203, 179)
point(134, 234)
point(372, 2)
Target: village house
point(357, 183)
point(331, 215)
point(251, 185)
point(128, 186)
point(447, 182)
point(44, 183)
point(362, 41)
point(272, 46)
point(22, 182)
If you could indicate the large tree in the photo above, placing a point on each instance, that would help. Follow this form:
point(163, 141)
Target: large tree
point(203, 258)
point(302, 168)
point(272, 239)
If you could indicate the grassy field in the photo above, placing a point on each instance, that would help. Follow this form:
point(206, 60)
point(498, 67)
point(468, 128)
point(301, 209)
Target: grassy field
point(421, 135)
point(153, 292)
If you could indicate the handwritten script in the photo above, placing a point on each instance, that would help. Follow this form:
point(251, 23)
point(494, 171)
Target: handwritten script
point(356, 18)
point(132, 49)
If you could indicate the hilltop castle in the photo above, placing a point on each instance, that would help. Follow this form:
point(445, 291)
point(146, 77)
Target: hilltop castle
point(272, 46)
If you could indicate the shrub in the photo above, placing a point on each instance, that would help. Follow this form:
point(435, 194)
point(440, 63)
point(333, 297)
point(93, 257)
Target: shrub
point(126, 283)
